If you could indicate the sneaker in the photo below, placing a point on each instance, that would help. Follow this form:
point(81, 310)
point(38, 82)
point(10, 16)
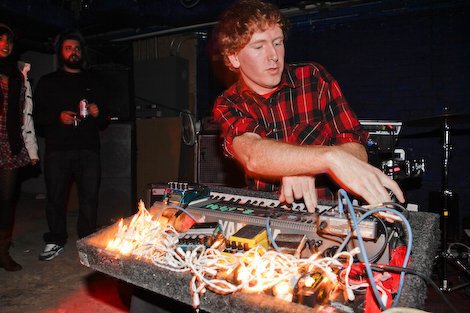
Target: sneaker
point(50, 251)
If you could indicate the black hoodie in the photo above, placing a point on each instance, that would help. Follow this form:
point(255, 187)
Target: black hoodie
point(62, 91)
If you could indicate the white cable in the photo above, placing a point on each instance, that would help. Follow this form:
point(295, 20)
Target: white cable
point(254, 270)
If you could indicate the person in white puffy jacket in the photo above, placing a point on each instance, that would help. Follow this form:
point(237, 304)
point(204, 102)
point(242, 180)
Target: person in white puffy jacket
point(28, 132)
point(18, 146)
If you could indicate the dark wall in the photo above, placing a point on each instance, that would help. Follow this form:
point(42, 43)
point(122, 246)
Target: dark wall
point(401, 61)
point(405, 66)
point(413, 63)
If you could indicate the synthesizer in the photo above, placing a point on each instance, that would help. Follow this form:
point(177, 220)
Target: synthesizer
point(325, 229)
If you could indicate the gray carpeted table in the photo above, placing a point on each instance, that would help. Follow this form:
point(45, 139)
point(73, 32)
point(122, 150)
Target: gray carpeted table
point(426, 234)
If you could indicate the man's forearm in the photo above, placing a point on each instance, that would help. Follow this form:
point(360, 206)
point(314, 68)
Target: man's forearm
point(270, 158)
point(344, 163)
point(355, 149)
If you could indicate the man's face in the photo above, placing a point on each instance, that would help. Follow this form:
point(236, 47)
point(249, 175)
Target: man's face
point(72, 54)
point(261, 61)
point(6, 46)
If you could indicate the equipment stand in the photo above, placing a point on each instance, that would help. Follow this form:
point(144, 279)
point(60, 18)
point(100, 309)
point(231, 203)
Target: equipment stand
point(446, 256)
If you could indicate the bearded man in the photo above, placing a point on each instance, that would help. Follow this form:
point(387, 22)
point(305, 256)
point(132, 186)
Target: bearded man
point(70, 110)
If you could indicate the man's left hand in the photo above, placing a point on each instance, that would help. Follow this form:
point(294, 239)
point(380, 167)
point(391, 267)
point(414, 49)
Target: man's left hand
point(93, 109)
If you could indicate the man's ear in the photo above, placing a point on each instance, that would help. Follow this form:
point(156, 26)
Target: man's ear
point(233, 58)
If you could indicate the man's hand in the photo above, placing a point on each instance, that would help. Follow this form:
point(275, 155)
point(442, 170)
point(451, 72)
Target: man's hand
point(298, 187)
point(34, 162)
point(67, 117)
point(93, 109)
point(361, 178)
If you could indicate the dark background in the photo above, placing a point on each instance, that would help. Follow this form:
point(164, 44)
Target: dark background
point(395, 60)
point(403, 65)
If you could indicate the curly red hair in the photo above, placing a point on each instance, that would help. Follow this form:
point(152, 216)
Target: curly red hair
point(239, 22)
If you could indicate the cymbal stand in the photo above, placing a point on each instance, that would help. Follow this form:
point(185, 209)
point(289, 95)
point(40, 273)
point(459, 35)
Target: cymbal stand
point(447, 193)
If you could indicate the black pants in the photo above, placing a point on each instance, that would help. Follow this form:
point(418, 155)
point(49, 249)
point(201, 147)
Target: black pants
point(60, 167)
point(8, 184)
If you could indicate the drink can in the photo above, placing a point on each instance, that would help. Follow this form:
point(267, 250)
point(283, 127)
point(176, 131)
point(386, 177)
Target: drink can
point(82, 108)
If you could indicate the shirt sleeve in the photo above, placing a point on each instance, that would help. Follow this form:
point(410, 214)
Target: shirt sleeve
point(28, 131)
point(340, 120)
point(234, 120)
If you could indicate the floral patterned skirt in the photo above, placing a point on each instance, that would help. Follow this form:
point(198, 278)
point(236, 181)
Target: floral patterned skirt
point(9, 161)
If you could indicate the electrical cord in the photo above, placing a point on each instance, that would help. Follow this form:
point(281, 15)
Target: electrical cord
point(399, 239)
point(427, 280)
point(386, 233)
point(343, 194)
point(188, 128)
point(254, 270)
point(457, 244)
point(377, 256)
point(270, 235)
point(179, 208)
point(158, 104)
point(336, 239)
point(359, 237)
point(403, 210)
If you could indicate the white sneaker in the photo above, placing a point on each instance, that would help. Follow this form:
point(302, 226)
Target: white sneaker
point(51, 250)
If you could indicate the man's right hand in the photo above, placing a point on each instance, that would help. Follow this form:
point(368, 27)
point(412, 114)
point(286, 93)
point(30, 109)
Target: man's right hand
point(67, 117)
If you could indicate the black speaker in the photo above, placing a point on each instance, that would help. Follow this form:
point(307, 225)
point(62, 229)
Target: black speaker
point(161, 87)
point(117, 190)
point(213, 168)
point(158, 146)
point(117, 82)
point(116, 150)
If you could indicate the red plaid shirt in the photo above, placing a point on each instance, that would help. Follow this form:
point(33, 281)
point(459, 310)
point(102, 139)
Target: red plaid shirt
point(308, 108)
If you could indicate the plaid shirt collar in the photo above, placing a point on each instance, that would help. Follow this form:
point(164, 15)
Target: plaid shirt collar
point(288, 80)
